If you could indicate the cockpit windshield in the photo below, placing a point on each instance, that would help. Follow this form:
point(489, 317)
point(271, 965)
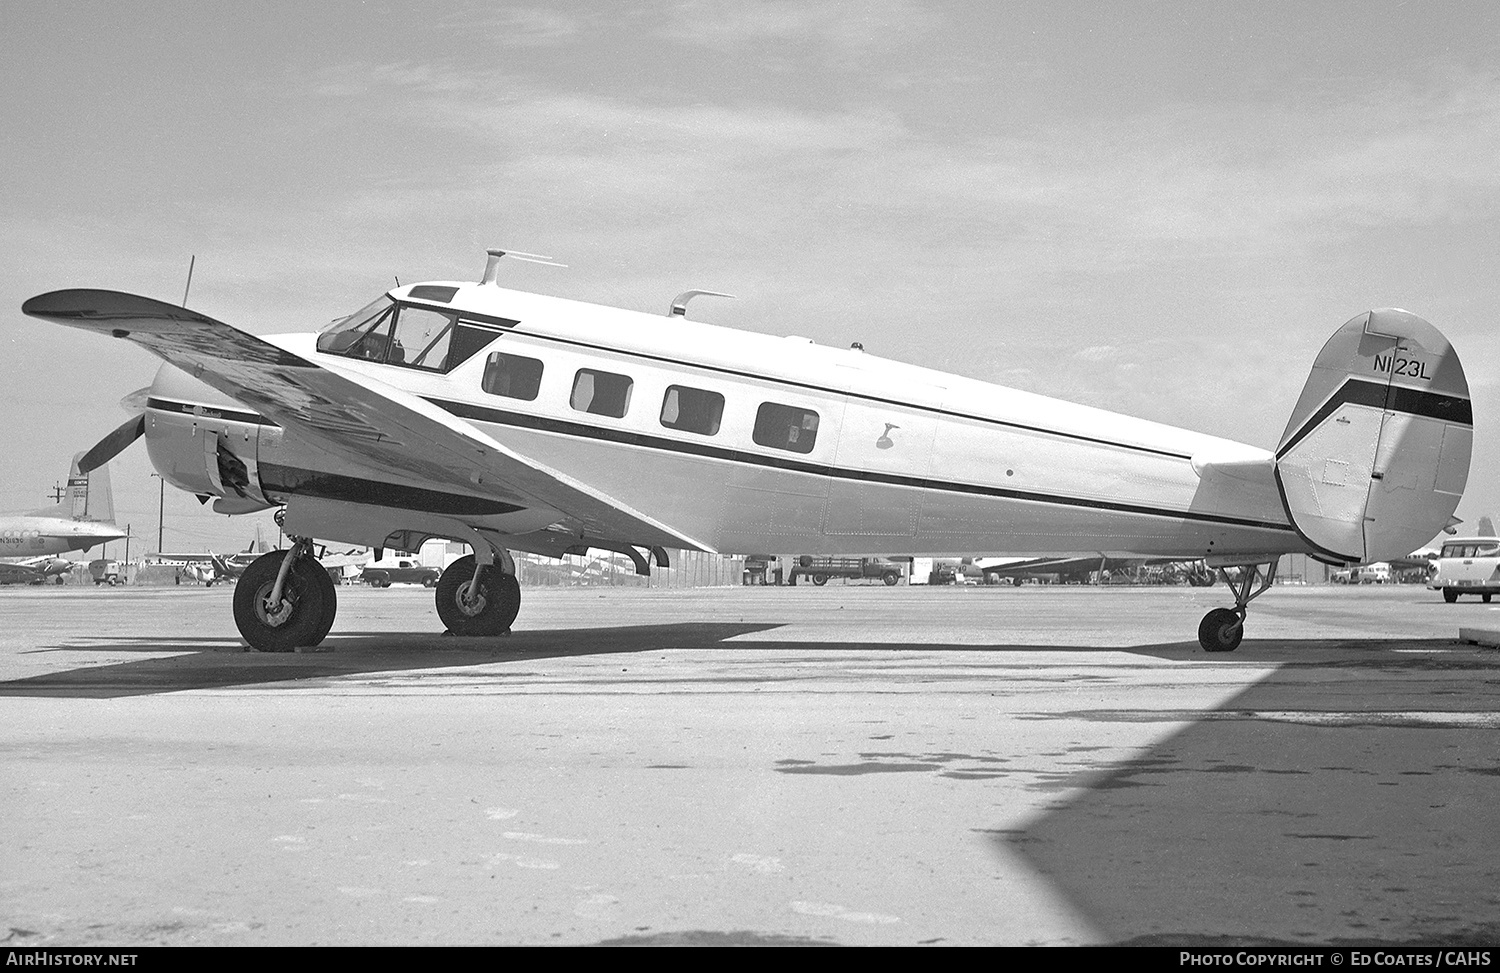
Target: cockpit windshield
point(409, 335)
point(363, 334)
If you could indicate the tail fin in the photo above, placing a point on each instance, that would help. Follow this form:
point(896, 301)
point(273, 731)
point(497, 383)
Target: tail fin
point(1486, 527)
point(1376, 454)
point(90, 496)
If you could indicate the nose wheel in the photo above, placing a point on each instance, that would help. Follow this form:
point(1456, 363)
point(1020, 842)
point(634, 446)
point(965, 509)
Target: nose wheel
point(1222, 629)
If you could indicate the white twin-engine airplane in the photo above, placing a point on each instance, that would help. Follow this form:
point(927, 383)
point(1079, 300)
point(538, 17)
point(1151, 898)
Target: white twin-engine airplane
point(513, 421)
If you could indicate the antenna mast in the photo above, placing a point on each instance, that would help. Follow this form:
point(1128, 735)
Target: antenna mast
point(191, 260)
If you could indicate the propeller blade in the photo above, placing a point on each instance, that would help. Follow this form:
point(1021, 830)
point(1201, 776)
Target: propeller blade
point(112, 445)
point(135, 402)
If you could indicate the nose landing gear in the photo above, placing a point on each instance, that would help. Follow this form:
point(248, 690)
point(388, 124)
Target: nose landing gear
point(1222, 629)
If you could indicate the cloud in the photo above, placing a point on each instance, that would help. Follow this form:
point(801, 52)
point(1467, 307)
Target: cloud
point(534, 27)
point(842, 35)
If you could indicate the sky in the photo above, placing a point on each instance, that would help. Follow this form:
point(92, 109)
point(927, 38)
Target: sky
point(1162, 209)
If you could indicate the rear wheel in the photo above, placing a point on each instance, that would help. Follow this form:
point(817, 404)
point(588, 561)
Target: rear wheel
point(1221, 630)
point(491, 609)
point(820, 579)
point(304, 613)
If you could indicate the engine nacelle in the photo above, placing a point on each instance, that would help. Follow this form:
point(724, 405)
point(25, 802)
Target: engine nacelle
point(202, 441)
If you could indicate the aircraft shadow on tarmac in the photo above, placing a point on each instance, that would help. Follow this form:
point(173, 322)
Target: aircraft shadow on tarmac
point(1315, 807)
point(221, 662)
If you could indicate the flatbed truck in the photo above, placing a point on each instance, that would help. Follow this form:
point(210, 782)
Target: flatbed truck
point(820, 569)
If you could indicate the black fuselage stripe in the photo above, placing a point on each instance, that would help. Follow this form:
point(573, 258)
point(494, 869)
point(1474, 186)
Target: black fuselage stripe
point(826, 390)
point(468, 410)
point(1390, 398)
point(278, 479)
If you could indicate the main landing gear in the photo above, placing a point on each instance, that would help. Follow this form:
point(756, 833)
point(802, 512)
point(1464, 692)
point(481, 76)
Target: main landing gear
point(477, 599)
point(285, 600)
point(1222, 629)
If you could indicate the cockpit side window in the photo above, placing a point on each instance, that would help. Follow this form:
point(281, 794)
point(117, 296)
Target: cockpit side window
point(421, 339)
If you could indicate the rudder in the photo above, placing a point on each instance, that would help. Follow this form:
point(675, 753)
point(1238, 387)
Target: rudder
point(90, 496)
point(1376, 454)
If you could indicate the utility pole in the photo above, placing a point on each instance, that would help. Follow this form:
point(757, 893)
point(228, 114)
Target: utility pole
point(161, 502)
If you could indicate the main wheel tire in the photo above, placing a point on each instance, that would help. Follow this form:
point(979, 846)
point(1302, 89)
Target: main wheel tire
point(1485, 598)
point(820, 579)
point(304, 615)
point(1450, 595)
point(1221, 630)
point(498, 603)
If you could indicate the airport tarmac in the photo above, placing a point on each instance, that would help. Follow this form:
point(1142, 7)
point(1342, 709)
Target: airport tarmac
point(851, 765)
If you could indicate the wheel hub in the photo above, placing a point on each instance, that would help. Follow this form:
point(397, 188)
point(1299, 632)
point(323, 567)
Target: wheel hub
point(471, 606)
point(273, 615)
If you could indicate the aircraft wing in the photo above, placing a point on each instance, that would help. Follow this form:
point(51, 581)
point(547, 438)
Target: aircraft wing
point(19, 572)
point(350, 415)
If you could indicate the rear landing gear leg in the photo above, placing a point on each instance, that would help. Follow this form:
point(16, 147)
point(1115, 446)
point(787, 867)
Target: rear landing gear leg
point(1222, 629)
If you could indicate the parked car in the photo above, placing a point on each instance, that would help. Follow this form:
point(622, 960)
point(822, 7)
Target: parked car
point(1468, 566)
point(402, 572)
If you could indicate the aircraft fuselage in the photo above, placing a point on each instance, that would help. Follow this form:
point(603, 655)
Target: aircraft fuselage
point(743, 442)
point(28, 535)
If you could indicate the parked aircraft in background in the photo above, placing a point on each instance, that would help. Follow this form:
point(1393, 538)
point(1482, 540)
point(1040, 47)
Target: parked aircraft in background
point(1100, 568)
point(30, 542)
point(514, 421)
point(34, 570)
point(209, 568)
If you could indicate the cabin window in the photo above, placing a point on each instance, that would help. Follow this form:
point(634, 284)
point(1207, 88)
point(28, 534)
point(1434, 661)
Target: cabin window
point(692, 410)
point(512, 376)
point(785, 427)
point(601, 393)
